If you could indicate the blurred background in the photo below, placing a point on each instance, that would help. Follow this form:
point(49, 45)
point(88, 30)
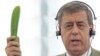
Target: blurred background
point(37, 26)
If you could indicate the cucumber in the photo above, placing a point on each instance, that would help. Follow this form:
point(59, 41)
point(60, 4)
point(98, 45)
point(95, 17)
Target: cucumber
point(15, 21)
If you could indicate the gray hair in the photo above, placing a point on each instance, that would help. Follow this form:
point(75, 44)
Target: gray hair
point(73, 7)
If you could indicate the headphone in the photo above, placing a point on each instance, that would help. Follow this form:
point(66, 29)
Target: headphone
point(92, 31)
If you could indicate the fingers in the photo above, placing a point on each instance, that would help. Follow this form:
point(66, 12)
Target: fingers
point(13, 46)
point(13, 51)
point(13, 43)
point(12, 38)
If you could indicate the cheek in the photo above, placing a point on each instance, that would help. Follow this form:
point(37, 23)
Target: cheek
point(65, 37)
point(85, 37)
point(85, 34)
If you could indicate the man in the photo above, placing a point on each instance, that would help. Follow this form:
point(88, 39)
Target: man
point(13, 46)
point(75, 20)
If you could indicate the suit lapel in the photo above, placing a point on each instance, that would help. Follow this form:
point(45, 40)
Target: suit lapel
point(95, 52)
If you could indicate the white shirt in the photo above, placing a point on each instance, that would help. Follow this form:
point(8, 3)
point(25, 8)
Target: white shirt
point(87, 53)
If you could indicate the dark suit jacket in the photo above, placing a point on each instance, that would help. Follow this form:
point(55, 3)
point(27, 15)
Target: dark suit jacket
point(93, 53)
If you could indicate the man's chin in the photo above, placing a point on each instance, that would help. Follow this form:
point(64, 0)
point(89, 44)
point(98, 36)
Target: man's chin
point(75, 50)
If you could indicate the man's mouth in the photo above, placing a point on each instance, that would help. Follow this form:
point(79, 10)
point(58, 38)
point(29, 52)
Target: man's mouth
point(75, 42)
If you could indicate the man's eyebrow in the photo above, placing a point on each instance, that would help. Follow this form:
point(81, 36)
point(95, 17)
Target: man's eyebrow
point(68, 22)
point(80, 22)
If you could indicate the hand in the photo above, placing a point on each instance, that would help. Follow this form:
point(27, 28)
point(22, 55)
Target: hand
point(13, 46)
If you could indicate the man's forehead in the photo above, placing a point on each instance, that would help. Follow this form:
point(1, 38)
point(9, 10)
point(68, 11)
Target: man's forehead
point(80, 16)
point(72, 21)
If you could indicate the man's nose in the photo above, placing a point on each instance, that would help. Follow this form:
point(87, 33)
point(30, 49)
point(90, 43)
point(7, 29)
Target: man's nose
point(75, 30)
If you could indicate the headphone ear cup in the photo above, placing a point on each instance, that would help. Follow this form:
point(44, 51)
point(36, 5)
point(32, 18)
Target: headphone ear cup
point(58, 33)
point(92, 32)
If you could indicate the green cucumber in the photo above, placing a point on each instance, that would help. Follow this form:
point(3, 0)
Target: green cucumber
point(15, 20)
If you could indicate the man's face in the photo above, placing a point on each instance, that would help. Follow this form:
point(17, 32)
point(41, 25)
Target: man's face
point(75, 32)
